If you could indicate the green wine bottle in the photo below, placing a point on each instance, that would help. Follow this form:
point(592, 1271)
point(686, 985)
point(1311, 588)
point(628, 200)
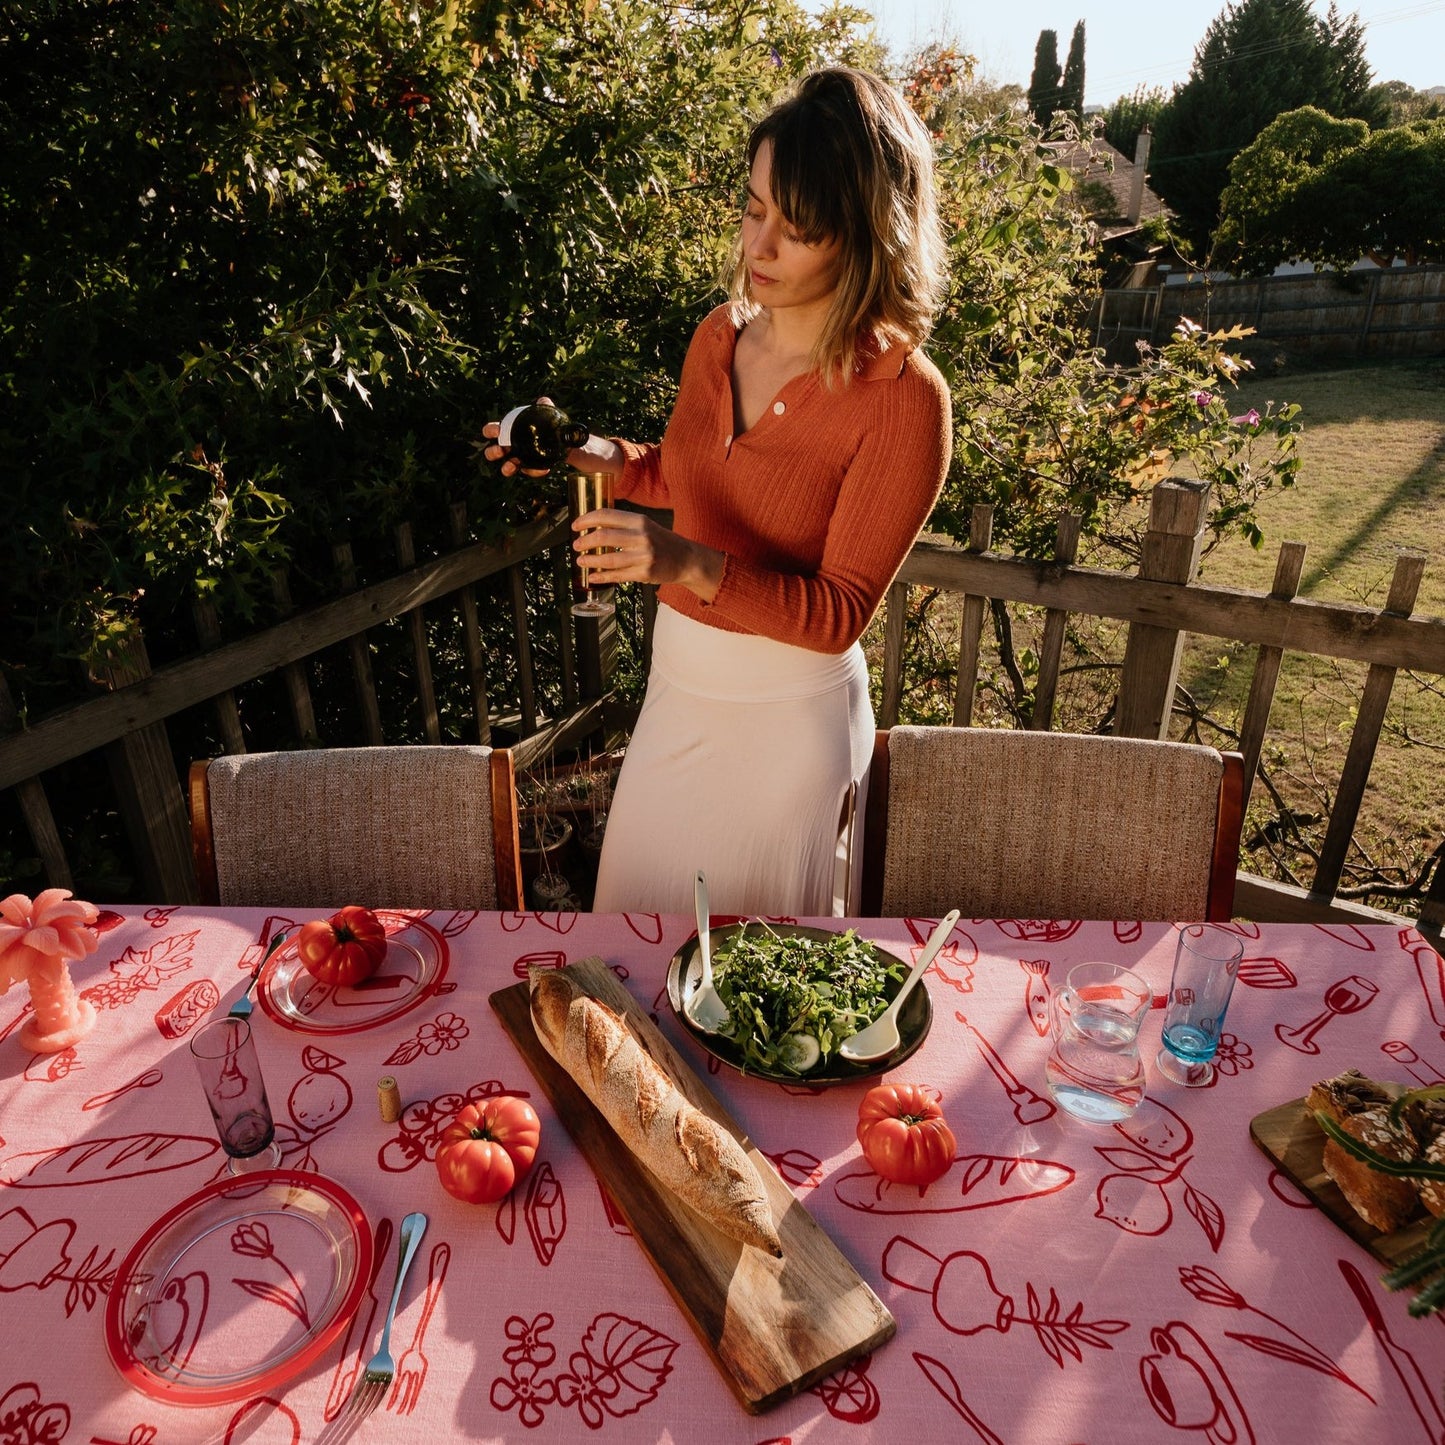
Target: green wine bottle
point(539, 436)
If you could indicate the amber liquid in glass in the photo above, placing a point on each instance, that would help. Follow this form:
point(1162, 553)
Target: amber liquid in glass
point(587, 492)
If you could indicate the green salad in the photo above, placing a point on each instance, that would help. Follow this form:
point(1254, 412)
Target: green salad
point(793, 1000)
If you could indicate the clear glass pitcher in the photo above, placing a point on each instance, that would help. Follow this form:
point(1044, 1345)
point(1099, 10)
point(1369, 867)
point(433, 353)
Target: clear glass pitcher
point(1094, 1070)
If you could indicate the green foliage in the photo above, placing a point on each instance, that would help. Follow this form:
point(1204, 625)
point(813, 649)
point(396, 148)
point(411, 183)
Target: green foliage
point(1131, 113)
point(1310, 187)
point(1071, 88)
point(1257, 60)
point(1401, 103)
point(1045, 83)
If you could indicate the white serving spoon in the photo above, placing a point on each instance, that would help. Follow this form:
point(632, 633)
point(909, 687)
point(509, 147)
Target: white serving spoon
point(881, 1036)
point(705, 1006)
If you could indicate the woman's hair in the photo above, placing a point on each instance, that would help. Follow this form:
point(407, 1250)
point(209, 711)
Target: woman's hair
point(852, 162)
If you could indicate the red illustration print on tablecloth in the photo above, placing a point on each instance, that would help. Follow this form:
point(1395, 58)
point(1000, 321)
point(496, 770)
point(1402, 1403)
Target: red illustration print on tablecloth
point(1029, 1106)
point(1421, 1070)
point(51, 1068)
point(101, 1161)
point(1189, 1390)
point(1265, 973)
point(411, 1369)
point(1288, 1192)
point(848, 1394)
point(1430, 967)
point(1345, 996)
point(966, 1301)
point(1234, 1056)
point(545, 958)
point(164, 1332)
point(420, 1127)
point(159, 917)
point(1348, 933)
point(1036, 930)
point(545, 1212)
point(1128, 931)
point(106, 920)
point(317, 1102)
point(1038, 993)
point(275, 1413)
point(139, 1435)
point(252, 1240)
point(973, 1181)
point(954, 965)
point(36, 1256)
point(185, 1008)
point(459, 922)
point(942, 1379)
point(26, 1420)
point(443, 1034)
point(619, 1368)
point(143, 970)
point(556, 922)
point(146, 1079)
point(801, 1169)
point(647, 926)
point(615, 1222)
point(1136, 1198)
point(358, 1329)
point(1209, 1288)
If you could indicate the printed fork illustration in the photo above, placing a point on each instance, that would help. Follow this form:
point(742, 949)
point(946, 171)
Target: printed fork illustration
point(411, 1371)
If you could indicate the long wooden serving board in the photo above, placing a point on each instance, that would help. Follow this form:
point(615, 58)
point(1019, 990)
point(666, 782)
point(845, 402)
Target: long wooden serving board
point(1290, 1136)
point(773, 1326)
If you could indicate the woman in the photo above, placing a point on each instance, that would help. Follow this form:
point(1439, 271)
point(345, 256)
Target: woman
point(808, 444)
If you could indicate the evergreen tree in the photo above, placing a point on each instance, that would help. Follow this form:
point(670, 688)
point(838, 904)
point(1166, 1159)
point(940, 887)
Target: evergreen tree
point(1044, 83)
point(1131, 113)
point(1072, 96)
point(1257, 60)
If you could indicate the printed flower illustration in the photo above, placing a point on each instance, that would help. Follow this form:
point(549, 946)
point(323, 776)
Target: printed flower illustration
point(530, 1345)
point(590, 1387)
point(525, 1393)
point(253, 1239)
point(446, 1031)
point(24, 1420)
point(1233, 1055)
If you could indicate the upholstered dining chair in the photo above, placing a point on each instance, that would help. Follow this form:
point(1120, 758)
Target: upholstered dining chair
point(1011, 824)
point(421, 826)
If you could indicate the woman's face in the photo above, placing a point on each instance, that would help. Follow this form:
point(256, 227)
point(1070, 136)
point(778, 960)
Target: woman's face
point(783, 269)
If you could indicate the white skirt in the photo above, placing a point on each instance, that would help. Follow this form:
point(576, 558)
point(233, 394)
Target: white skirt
point(740, 765)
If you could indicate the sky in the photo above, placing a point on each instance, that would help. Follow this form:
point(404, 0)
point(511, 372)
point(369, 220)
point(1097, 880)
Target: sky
point(1128, 43)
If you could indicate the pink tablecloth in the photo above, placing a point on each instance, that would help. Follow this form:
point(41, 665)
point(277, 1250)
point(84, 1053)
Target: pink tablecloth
point(1150, 1281)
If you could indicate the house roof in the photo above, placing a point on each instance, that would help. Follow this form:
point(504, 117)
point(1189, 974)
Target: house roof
point(1097, 161)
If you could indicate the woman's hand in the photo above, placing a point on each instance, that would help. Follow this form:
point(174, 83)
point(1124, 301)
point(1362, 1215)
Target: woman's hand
point(596, 454)
point(641, 550)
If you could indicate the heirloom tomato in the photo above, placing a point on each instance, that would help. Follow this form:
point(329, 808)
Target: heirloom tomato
point(903, 1134)
point(343, 949)
point(487, 1148)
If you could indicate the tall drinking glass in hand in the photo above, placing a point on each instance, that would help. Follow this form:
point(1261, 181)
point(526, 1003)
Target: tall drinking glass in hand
point(225, 1056)
point(1206, 963)
point(587, 492)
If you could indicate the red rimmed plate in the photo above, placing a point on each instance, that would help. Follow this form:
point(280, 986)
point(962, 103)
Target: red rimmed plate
point(238, 1288)
point(412, 972)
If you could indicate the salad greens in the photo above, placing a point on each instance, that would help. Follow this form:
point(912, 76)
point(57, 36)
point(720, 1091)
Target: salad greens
point(793, 999)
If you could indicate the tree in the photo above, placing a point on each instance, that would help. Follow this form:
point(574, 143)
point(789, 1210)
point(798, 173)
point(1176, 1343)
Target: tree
point(1045, 82)
point(1071, 96)
point(1313, 188)
point(1402, 103)
point(1257, 60)
point(1131, 113)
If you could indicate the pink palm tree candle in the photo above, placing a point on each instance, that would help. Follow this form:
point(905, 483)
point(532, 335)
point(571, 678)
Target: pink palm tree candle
point(38, 940)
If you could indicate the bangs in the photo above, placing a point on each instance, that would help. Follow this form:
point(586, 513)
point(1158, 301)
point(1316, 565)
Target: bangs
point(811, 197)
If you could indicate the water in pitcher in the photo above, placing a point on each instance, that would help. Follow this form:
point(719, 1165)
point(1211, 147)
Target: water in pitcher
point(1094, 1071)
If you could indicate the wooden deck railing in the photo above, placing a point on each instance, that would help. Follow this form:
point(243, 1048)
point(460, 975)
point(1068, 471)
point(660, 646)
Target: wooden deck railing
point(1160, 605)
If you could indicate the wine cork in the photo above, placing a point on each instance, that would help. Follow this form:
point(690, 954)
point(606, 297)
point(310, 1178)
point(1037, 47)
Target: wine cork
point(389, 1097)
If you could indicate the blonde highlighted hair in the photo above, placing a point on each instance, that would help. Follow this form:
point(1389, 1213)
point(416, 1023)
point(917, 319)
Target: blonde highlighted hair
point(851, 162)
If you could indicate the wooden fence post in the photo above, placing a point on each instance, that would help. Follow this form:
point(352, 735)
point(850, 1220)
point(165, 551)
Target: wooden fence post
point(1287, 569)
point(360, 650)
point(297, 687)
point(1056, 621)
point(416, 623)
point(970, 635)
point(472, 634)
point(1177, 511)
point(149, 792)
point(35, 808)
point(228, 714)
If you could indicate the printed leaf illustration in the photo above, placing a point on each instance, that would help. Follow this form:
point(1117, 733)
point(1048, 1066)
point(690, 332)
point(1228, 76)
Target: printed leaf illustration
point(1131, 1161)
point(404, 1054)
point(142, 969)
point(637, 1357)
point(1209, 1215)
point(1279, 1350)
point(277, 1295)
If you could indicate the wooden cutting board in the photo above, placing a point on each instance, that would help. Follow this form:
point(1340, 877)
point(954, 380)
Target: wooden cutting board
point(773, 1326)
point(1290, 1136)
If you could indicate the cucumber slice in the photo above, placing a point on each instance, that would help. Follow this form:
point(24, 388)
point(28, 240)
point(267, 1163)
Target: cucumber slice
point(799, 1052)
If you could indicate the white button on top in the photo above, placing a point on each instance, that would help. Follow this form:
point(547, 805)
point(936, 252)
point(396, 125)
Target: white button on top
point(729, 440)
point(779, 408)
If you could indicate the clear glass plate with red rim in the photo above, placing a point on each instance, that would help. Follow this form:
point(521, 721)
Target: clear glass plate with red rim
point(238, 1288)
point(413, 971)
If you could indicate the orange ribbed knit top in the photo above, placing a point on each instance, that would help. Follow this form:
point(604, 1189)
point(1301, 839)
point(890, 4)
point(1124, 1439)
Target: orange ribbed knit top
point(815, 506)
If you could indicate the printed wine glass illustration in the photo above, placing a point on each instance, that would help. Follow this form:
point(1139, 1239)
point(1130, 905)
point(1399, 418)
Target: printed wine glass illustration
point(1348, 996)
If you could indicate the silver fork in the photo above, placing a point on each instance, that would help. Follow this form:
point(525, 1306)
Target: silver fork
point(380, 1369)
point(241, 1009)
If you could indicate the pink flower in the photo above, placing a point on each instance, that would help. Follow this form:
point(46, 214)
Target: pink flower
point(54, 926)
point(1201, 398)
point(1250, 418)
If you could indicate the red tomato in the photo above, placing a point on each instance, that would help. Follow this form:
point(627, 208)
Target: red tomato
point(487, 1148)
point(903, 1134)
point(343, 949)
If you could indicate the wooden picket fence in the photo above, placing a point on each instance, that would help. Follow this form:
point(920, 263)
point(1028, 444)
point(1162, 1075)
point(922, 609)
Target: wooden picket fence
point(1160, 605)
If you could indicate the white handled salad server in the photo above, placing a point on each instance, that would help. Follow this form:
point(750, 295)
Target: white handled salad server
point(881, 1036)
point(705, 1006)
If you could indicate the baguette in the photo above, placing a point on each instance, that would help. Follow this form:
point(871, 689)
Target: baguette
point(689, 1154)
